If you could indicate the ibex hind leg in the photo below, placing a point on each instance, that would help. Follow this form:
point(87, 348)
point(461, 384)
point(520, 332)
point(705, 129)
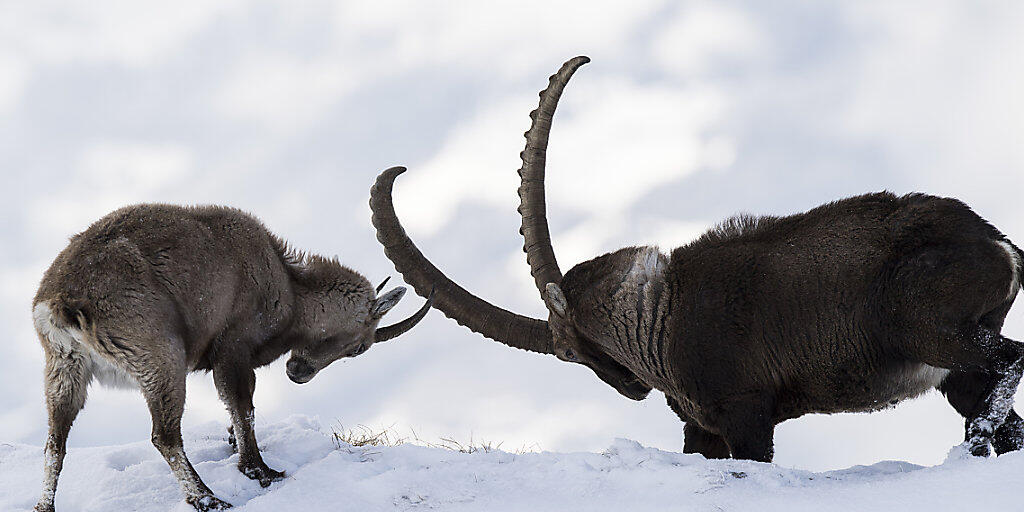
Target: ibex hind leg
point(67, 379)
point(1008, 367)
point(1001, 360)
point(162, 381)
point(963, 293)
point(967, 391)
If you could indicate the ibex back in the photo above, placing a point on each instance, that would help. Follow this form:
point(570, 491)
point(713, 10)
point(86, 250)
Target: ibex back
point(151, 292)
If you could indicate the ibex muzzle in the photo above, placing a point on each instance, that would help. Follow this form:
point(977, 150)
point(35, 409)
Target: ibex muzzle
point(151, 292)
point(852, 306)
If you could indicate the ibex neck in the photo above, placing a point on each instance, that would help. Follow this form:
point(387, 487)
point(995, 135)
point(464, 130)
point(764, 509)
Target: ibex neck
point(643, 308)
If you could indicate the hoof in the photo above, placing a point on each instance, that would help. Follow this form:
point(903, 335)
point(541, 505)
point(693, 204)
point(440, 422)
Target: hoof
point(261, 473)
point(231, 440)
point(981, 450)
point(979, 437)
point(209, 502)
point(42, 507)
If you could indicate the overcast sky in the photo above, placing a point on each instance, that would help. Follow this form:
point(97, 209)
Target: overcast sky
point(690, 112)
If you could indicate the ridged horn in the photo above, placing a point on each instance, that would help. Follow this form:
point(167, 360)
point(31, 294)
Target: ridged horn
point(392, 331)
point(454, 301)
point(532, 207)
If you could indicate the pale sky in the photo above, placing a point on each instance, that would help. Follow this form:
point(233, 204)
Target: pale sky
point(690, 112)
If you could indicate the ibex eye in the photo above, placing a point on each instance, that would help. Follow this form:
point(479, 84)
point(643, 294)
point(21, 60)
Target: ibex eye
point(570, 355)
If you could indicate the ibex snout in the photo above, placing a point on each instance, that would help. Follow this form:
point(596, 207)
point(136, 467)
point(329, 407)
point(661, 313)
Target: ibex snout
point(299, 371)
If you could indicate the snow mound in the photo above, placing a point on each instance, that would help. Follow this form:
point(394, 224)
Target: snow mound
point(325, 476)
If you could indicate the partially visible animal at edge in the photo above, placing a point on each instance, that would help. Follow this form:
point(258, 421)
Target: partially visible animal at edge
point(852, 306)
point(151, 292)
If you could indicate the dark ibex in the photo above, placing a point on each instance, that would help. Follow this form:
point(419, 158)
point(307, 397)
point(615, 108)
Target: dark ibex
point(852, 306)
point(151, 292)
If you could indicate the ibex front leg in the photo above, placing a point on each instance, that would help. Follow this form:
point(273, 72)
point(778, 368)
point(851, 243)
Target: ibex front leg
point(163, 384)
point(236, 384)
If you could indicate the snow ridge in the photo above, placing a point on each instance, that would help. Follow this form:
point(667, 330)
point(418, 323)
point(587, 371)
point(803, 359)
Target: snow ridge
point(627, 476)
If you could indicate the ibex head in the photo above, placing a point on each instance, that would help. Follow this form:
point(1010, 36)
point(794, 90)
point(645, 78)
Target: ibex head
point(338, 313)
point(581, 322)
point(605, 302)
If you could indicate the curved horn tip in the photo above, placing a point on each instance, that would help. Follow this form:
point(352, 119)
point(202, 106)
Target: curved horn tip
point(392, 331)
point(388, 175)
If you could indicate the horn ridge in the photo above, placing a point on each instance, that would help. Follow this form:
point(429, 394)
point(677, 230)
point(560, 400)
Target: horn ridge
point(533, 207)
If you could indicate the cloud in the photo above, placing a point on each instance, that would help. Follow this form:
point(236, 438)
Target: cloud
point(282, 92)
point(703, 34)
point(612, 142)
point(14, 75)
point(520, 34)
point(124, 31)
point(940, 95)
point(110, 174)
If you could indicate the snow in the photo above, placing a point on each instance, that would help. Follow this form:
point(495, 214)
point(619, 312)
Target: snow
point(325, 475)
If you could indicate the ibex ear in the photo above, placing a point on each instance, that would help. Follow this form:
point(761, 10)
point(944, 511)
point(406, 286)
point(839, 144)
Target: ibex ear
point(555, 300)
point(385, 302)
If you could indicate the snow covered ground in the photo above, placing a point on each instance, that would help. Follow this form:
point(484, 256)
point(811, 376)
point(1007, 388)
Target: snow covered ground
point(626, 476)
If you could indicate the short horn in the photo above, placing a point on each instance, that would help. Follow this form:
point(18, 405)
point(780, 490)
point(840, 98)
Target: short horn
point(537, 239)
point(454, 301)
point(392, 331)
point(382, 283)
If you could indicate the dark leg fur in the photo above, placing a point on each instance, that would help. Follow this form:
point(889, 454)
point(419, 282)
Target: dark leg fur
point(997, 406)
point(966, 392)
point(984, 350)
point(748, 429)
point(698, 440)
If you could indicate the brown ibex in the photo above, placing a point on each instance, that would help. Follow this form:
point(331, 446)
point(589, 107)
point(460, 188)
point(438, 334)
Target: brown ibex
point(852, 306)
point(151, 292)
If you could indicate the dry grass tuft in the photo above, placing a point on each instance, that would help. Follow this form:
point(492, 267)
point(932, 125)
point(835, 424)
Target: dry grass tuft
point(362, 436)
point(468, 447)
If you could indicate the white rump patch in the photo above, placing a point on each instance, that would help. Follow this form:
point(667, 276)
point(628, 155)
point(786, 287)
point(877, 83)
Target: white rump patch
point(1016, 263)
point(67, 340)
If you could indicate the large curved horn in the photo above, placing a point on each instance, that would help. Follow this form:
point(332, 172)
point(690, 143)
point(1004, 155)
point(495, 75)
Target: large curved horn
point(537, 239)
point(454, 301)
point(391, 331)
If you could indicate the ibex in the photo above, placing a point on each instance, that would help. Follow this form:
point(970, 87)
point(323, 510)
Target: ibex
point(852, 306)
point(151, 292)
